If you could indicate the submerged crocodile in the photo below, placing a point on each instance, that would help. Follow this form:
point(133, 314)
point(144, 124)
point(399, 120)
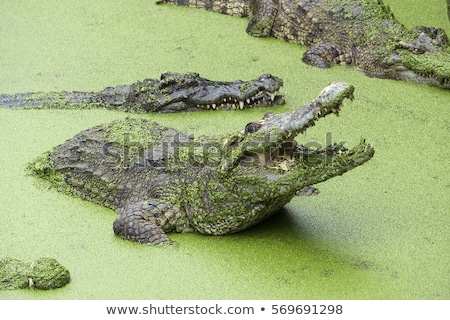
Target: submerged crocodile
point(363, 33)
point(174, 92)
point(160, 180)
point(44, 273)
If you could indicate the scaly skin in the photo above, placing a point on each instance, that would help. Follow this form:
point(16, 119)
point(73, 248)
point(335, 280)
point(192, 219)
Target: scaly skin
point(44, 273)
point(363, 33)
point(174, 92)
point(160, 180)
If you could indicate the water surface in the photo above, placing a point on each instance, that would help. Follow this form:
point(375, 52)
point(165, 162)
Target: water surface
point(379, 232)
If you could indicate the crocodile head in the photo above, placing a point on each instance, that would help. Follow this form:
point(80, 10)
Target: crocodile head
point(424, 59)
point(267, 142)
point(263, 167)
point(190, 92)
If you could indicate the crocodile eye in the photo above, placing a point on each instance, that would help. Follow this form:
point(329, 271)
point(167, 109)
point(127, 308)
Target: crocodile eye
point(417, 50)
point(252, 127)
point(266, 76)
point(268, 115)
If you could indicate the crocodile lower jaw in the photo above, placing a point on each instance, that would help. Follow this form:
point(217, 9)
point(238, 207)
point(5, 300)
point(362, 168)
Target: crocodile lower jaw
point(260, 100)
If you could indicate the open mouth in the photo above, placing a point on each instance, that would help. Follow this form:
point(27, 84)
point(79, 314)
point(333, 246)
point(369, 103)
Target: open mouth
point(270, 142)
point(287, 152)
point(290, 152)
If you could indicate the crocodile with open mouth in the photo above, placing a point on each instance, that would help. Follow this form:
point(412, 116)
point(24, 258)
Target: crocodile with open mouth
point(174, 92)
point(160, 180)
point(363, 33)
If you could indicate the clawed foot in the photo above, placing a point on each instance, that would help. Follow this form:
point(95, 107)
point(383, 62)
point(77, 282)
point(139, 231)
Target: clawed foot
point(145, 222)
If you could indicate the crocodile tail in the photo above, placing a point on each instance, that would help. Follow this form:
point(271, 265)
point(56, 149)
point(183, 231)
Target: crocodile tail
point(61, 100)
point(110, 98)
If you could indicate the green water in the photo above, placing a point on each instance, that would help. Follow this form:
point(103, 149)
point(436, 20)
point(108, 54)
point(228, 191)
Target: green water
point(379, 232)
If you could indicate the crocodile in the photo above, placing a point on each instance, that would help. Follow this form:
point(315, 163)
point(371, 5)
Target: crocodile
point(160, 180)
point(362, 33)
point(173, 92)
point(43, 273)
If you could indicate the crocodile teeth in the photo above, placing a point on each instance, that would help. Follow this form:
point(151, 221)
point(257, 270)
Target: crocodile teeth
point(30, 283)
point(248, 101)
point(272, 96)
point(214, 106)
point(241, 104)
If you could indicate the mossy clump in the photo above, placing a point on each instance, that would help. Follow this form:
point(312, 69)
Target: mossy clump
point(43, 273)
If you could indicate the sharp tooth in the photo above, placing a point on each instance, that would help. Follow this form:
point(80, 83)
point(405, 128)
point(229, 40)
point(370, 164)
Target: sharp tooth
point(241, 104)
point(214, 106)
point(272, 96)
point(248, 101)
point(224, 100)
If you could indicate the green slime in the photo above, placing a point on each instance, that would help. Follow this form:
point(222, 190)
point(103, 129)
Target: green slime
point(379, 232)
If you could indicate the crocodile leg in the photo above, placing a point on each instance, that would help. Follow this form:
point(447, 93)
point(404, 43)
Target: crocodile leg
point(148, 221)
point(323, 55)
point(263, 14)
